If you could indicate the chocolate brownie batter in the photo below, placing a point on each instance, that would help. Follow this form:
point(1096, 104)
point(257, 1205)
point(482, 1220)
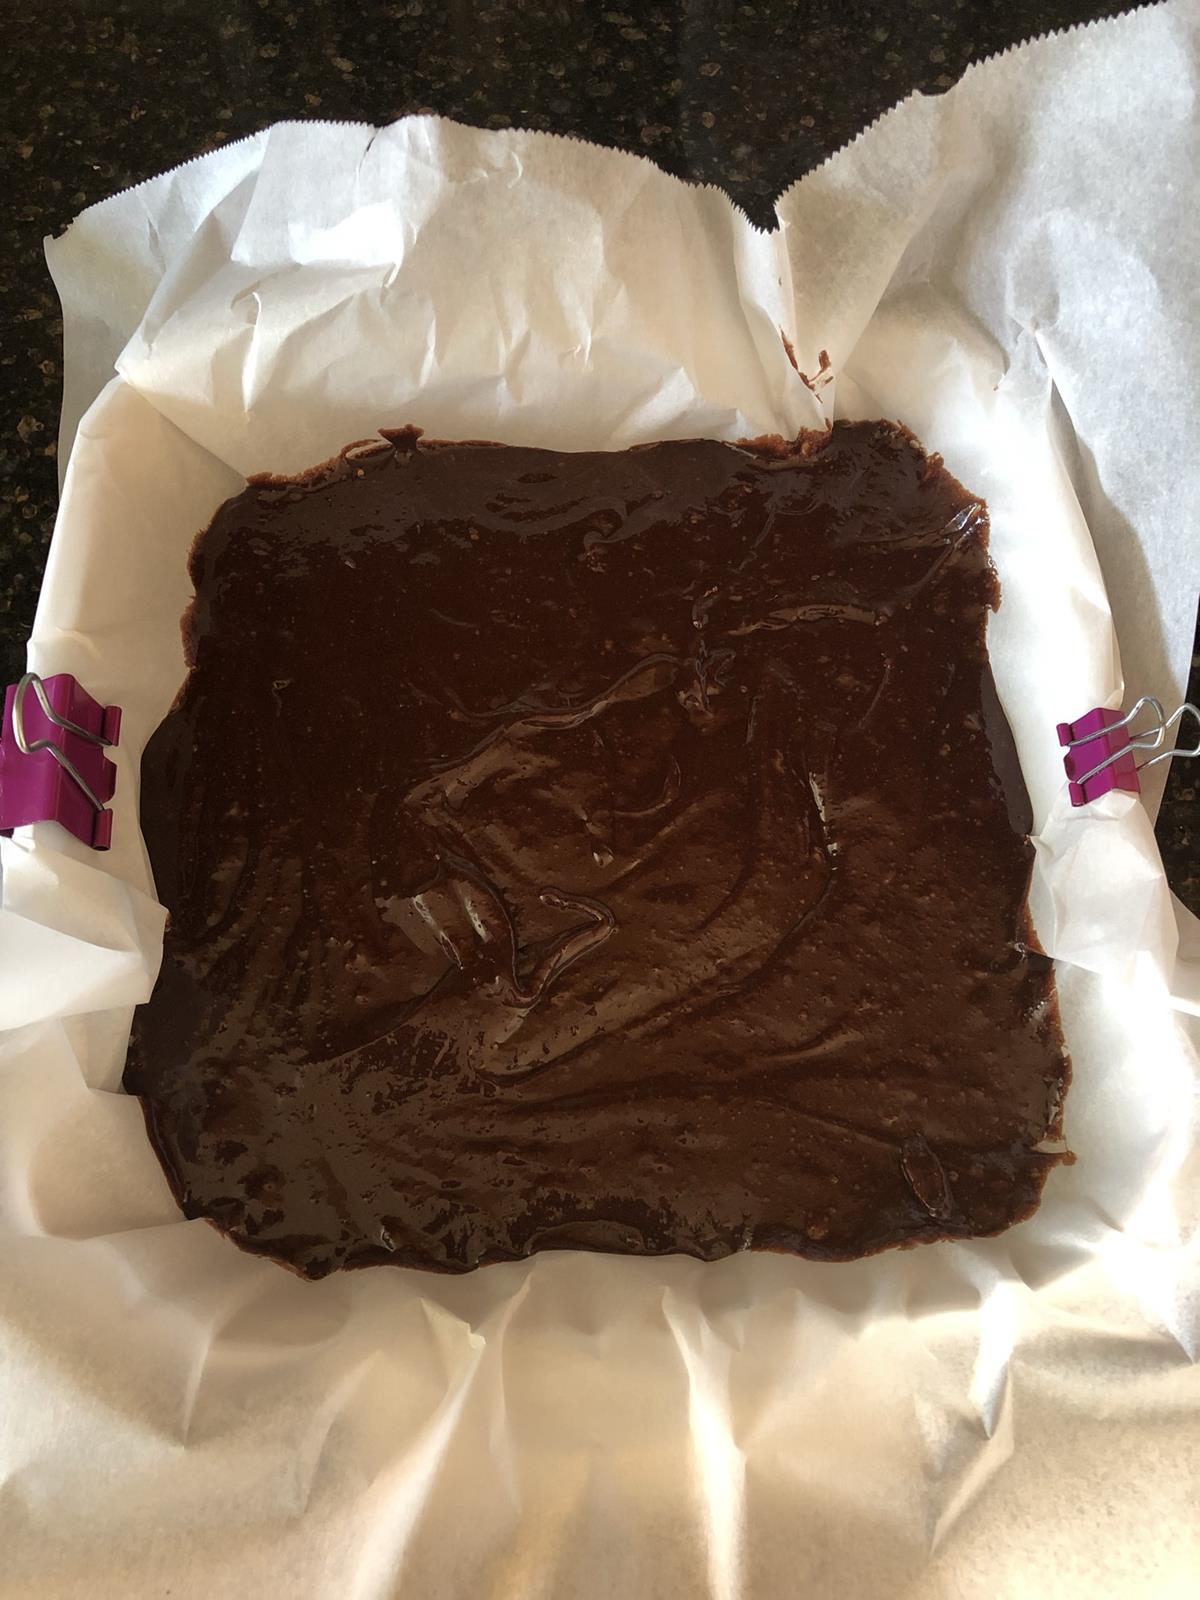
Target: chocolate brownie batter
point(622, 851)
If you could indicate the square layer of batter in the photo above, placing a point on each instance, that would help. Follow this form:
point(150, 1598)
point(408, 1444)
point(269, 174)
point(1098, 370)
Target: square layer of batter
point(615, 851)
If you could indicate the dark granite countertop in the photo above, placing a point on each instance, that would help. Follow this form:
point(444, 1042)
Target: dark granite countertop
point(94, 98)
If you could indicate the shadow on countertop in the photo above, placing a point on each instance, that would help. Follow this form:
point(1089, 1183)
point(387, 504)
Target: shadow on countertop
point(95, 97)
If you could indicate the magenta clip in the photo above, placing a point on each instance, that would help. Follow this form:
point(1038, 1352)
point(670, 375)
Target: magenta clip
point(1099, 756)
point(52, 762)
point(1100, 748)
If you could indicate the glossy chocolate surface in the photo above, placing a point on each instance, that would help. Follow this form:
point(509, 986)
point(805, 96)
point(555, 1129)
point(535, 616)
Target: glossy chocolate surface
point(623, 851)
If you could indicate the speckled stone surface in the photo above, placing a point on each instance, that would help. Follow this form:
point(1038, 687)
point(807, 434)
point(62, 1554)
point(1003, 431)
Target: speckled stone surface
point(94, 98)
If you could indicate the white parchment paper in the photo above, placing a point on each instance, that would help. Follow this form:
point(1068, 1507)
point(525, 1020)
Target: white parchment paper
point(1012, 271)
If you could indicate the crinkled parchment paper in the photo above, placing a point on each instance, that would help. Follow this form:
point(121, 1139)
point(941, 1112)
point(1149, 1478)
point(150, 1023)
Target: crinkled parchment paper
point(1012, 271)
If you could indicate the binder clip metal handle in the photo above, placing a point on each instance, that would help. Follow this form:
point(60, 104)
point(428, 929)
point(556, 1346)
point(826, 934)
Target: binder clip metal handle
point(1100, 748)
point(52, 762)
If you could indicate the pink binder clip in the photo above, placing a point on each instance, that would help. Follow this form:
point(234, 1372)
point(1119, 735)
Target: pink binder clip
point(52, 762)
point(1100, 748)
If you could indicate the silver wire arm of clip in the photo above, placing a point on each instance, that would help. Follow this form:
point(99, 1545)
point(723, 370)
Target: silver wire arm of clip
point(1148, 739)
point(29, 747)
